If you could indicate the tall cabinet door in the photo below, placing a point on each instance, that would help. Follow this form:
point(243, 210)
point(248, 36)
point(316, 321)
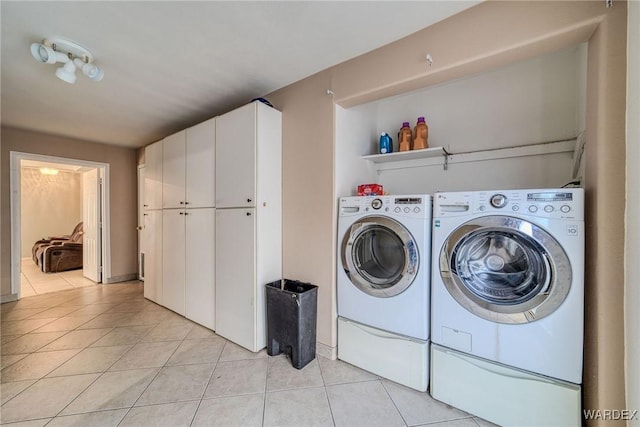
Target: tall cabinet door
point(200, 266)
point(173, 259)
point(173, 170)
point(153, 176)
point(236, 277)
point(152, 250)
point(200, 165)
point(236, 158)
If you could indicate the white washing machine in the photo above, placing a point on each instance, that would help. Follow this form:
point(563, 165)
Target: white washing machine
point(507, 304)
point(383, 275)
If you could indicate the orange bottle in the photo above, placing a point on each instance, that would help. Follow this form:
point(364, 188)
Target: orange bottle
point(421, 135)
point(404, 137)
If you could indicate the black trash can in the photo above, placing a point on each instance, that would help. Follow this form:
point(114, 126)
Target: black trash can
point(291, 320)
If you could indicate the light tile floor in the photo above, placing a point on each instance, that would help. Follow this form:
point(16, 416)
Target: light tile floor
point(105, 356)
point(34, 282)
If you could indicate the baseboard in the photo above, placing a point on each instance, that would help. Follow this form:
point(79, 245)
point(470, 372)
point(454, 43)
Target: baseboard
point(8, 298)
point(122, 278)
point(326, 351)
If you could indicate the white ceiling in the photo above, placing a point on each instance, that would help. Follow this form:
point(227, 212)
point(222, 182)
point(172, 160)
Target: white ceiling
point(171, 64)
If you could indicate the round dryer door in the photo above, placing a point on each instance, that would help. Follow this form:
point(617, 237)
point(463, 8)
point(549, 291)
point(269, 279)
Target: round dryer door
point(380, 256)
point(505, 269)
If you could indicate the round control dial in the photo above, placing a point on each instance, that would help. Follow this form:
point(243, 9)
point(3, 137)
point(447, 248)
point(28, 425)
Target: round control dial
point(376, 204)
point(498, 201)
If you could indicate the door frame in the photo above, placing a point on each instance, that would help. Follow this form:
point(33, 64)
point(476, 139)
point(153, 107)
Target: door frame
point(15, 158)
point(141, 265)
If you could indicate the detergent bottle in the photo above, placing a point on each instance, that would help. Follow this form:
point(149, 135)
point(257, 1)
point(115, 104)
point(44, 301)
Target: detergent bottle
point(421, 135)
point(404, 137)
point(386, 143)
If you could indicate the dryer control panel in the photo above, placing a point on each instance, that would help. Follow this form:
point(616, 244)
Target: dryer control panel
point(555, 203)
point(418, 206)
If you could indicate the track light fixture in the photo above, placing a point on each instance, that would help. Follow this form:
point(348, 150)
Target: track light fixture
point(71, 55)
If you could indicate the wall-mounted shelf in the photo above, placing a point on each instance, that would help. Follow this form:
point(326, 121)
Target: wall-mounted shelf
point(427, 153)
point(439, 156)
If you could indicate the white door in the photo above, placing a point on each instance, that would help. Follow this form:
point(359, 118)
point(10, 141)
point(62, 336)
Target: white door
point(153, 176)
point(201, 162)
point(141, 184)
point(173, 260)
point(152, 244)
point(380, 256)
point(200, 266)
point(91, 244)
point(236, 314)
point(173, 170)
point(236, 158)
point(505, 269)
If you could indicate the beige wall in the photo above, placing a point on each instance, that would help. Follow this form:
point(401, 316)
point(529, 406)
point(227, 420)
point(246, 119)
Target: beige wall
point(308, 191)
point(123, 193)
point(51, 205)
point(604, 375)
point(479, 39)
point(632, 256)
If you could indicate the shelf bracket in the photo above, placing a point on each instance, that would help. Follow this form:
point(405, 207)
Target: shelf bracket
point(446, 154)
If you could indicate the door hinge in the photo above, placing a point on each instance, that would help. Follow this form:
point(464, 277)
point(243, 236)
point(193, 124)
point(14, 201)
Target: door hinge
point(608, 3)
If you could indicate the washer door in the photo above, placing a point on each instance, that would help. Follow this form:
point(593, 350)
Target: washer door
point(505, 269)
point(380, 256)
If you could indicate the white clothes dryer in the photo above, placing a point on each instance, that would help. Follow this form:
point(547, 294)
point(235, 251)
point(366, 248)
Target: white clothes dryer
point(383, 275)
point(508, 300)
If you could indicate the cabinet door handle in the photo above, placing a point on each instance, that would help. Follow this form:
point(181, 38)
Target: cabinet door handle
point(182, 203)
point(248, 200)
point(181, 213)
point(186, 203)
point(146, 206)
point(248, 213)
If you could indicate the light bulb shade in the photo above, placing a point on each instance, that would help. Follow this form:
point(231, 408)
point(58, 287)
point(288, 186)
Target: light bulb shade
point(67, 73)
point(93, 72)
point(43, 53)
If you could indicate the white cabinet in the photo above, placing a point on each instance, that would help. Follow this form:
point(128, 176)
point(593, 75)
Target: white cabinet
point(153, 176)
point(151, 241)
point(179, 241)
point(248, 220)
point(173, 259)
point(189, 167)
point(152, 255)
point(200, 266)
point(237, 296)
point(200, 164)
point(236, 157)
point(188, 269)
point(208, 264)
point(173, 170)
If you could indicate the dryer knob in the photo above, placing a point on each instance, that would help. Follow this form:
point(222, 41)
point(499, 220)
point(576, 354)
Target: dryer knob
point(498, 201)
point(376, 204)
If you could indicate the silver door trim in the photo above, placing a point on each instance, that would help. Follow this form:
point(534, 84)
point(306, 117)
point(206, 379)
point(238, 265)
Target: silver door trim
point(411, 256)
point(551, 295)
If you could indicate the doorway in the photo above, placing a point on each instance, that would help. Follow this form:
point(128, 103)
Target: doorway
point(92, 178)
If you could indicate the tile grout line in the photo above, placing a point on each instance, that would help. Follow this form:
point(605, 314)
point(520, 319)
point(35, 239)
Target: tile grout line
point(193, 418)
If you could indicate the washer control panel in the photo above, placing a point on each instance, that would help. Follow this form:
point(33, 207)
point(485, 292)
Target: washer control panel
point(409, 205)
point(562, 203)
